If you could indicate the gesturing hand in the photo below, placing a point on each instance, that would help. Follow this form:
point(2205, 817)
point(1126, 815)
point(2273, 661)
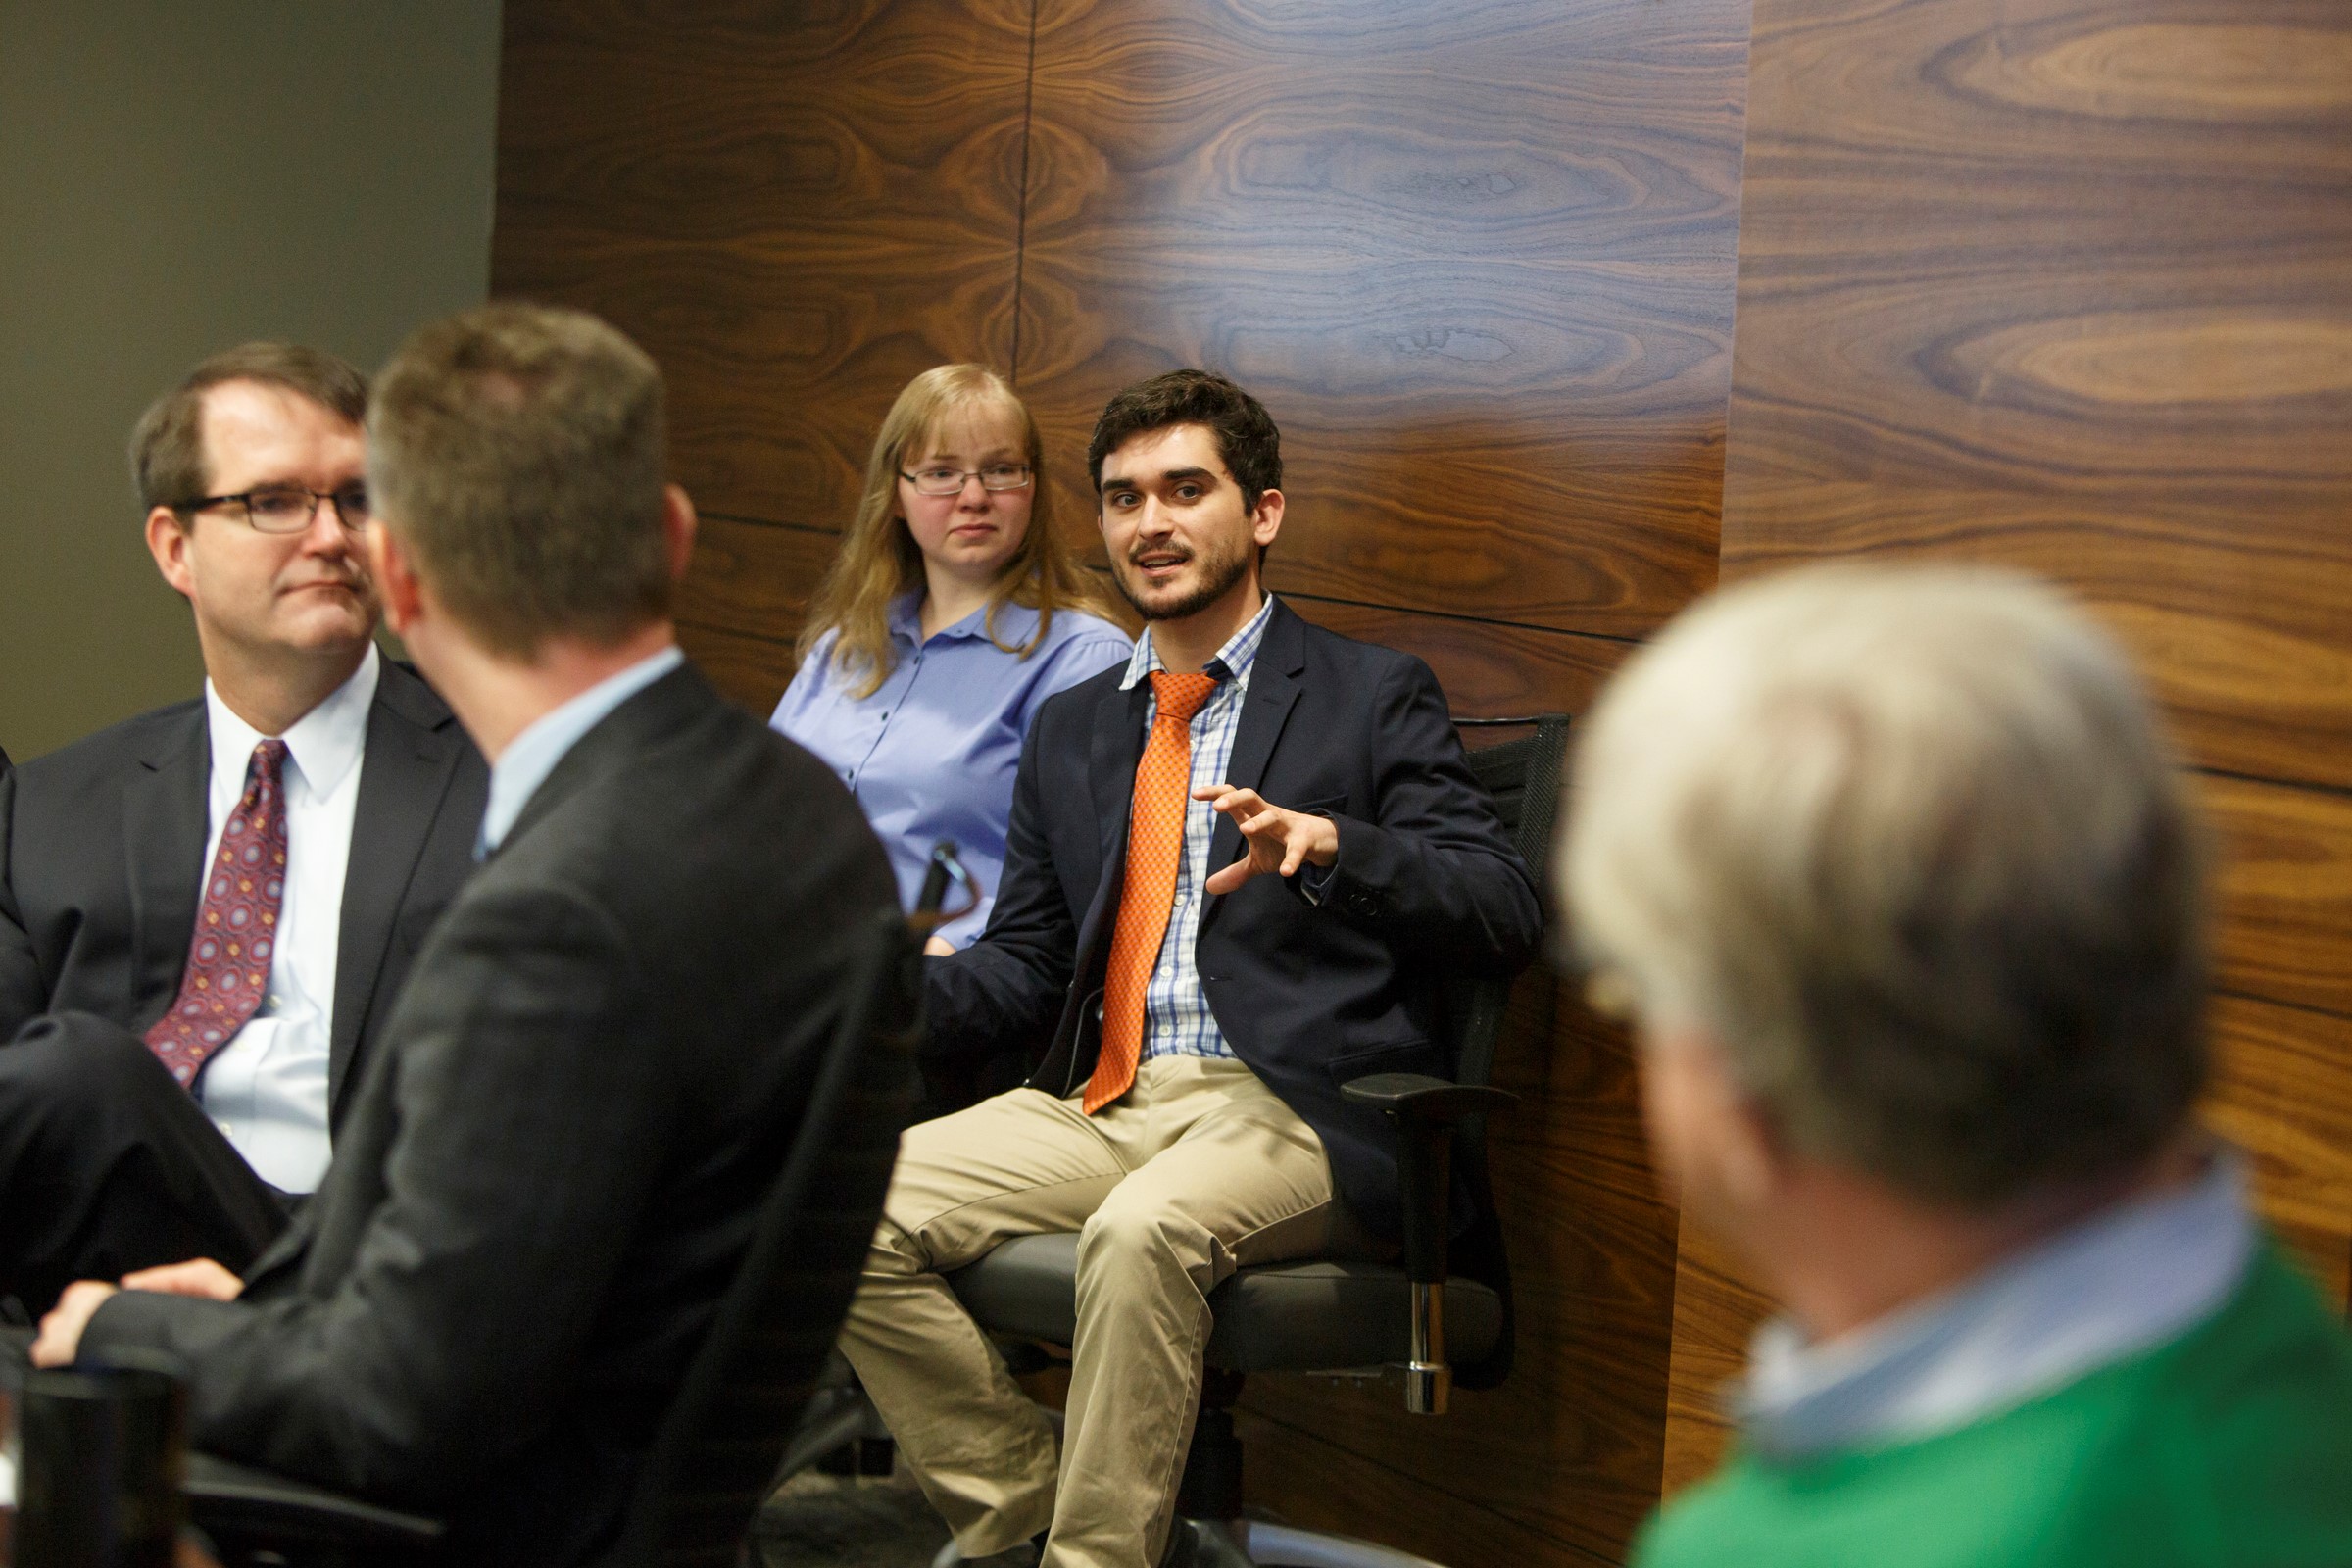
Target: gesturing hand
point(1272, 839)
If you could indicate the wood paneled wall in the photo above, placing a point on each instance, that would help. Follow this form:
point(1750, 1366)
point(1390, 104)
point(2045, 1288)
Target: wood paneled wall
point(2067, 284)
point(2060, 283)
point(1479, 263)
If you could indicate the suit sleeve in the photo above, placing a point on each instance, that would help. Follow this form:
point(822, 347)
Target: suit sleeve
point(529, 1121)
point(1435, 874)
point(1004, 992)
point(22, 995)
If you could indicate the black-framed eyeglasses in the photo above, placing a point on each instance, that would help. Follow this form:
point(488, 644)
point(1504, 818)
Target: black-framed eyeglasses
point(941, 480)
point(289, 508)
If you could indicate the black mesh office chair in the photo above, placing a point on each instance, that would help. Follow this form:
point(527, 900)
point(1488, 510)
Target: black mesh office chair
point(1443, 1311)
point(716, 1453)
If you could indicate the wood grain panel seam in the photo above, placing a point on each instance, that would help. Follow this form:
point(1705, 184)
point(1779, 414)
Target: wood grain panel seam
point(1471, 621)
point(704, 623)
point(2338, 791)
point(769, 523)
point(1020, 215)
point(2238, 993)
point(1258, 1412)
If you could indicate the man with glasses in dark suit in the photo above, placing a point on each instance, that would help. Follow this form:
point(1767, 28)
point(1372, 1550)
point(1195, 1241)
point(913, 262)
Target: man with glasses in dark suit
point(206, 911)
point(603, 1058)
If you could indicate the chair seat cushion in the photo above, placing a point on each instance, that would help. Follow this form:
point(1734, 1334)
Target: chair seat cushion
point(1278, 1317)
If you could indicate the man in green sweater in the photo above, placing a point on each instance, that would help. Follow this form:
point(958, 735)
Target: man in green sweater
point(1903, 889)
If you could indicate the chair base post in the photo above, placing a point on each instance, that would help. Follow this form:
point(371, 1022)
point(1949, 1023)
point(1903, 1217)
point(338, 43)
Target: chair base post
point(1211, 1488)
point(1427, 1387)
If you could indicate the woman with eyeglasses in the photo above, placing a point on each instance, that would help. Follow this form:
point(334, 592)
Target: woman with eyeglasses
point(951, 611)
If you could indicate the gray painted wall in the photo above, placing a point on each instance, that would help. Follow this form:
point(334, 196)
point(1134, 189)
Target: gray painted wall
point(176, 176)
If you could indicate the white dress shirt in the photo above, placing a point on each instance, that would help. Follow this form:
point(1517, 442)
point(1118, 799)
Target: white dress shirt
point(266, 1089)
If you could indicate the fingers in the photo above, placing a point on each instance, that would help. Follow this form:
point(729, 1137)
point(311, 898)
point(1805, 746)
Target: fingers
point(1249, 811)
point(1225, 798)
point(60, 1338)
point(937, 947)
point(1233, 876)
point(199, 1276)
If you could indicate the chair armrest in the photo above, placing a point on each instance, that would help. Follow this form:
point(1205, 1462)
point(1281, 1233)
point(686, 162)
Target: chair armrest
point(235, 1502)
point(1419, 1097)
point(1423, 1110)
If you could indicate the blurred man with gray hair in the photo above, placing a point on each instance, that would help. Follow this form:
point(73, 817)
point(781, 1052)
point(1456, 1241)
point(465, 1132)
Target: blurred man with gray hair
point(1903, 890)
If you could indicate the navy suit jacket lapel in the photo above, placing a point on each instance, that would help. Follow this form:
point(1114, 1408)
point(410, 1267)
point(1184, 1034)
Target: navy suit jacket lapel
point(166, 817)
point(1118, 745)
point(404, 775)
point(1265, 710)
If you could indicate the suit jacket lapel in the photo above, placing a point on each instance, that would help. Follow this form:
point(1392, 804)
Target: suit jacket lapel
point(1273, 691)
point(1118, 745)
point(1111, 770)
point(166, 815)
point(404, 775)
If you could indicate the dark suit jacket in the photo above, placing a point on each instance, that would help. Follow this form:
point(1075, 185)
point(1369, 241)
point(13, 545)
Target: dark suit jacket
point(102, 851)
point(1309, 996)
point(554, 1163)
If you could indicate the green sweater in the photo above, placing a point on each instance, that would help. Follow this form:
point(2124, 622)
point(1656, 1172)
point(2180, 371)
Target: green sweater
point(2229, 1447)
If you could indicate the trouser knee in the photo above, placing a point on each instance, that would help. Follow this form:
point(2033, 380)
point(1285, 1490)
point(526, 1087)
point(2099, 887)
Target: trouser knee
point(1146, 1240)
point(67, 1064)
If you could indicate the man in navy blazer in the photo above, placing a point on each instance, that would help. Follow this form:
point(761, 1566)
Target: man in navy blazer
point(1238, 867)
point(252, 471)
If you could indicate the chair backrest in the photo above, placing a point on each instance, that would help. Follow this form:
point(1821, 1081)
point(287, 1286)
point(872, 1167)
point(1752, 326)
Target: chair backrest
point(1524, 777)
point(716, 1453)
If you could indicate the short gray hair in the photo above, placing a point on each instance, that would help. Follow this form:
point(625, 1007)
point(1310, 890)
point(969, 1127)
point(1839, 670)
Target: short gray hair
point(1908, 844)
point(519, 450)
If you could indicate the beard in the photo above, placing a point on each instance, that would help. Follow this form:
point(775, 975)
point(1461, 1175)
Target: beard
point(1218, 576)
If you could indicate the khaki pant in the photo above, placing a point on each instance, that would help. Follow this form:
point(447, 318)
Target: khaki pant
point(1197, 1170)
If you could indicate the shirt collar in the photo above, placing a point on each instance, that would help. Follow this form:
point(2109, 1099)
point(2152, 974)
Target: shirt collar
point(325, 745)
point(533, 755)
point(2120, 1282)
point(1231, 662)
point(1013, 620)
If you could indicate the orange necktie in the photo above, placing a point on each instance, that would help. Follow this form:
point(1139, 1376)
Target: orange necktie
point(1155, 839)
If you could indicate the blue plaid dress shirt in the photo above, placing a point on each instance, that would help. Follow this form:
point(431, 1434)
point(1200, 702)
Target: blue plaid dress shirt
point(1177, 1021)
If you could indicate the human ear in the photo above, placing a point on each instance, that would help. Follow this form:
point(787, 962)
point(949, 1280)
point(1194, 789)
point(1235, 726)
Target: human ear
point(1266, 519)
point(678, 524)
point(396, 585)
point(1711, 1140)
point(168, 543)
point(1748, 1159)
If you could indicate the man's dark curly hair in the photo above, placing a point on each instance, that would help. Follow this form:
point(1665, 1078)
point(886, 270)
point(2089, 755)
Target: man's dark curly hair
point(1244, 432)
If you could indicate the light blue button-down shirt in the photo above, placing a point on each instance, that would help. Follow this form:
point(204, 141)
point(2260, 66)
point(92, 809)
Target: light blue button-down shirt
point(533, 755)
point(931, 755)
point(2123, 1282)
point(1177, 1021)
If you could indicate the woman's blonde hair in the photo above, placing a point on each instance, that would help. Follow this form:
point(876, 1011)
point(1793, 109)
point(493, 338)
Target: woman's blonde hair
point(879, 559)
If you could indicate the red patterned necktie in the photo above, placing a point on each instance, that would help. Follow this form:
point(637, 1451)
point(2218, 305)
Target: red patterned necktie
point(236, 925)
point(1164, 782)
